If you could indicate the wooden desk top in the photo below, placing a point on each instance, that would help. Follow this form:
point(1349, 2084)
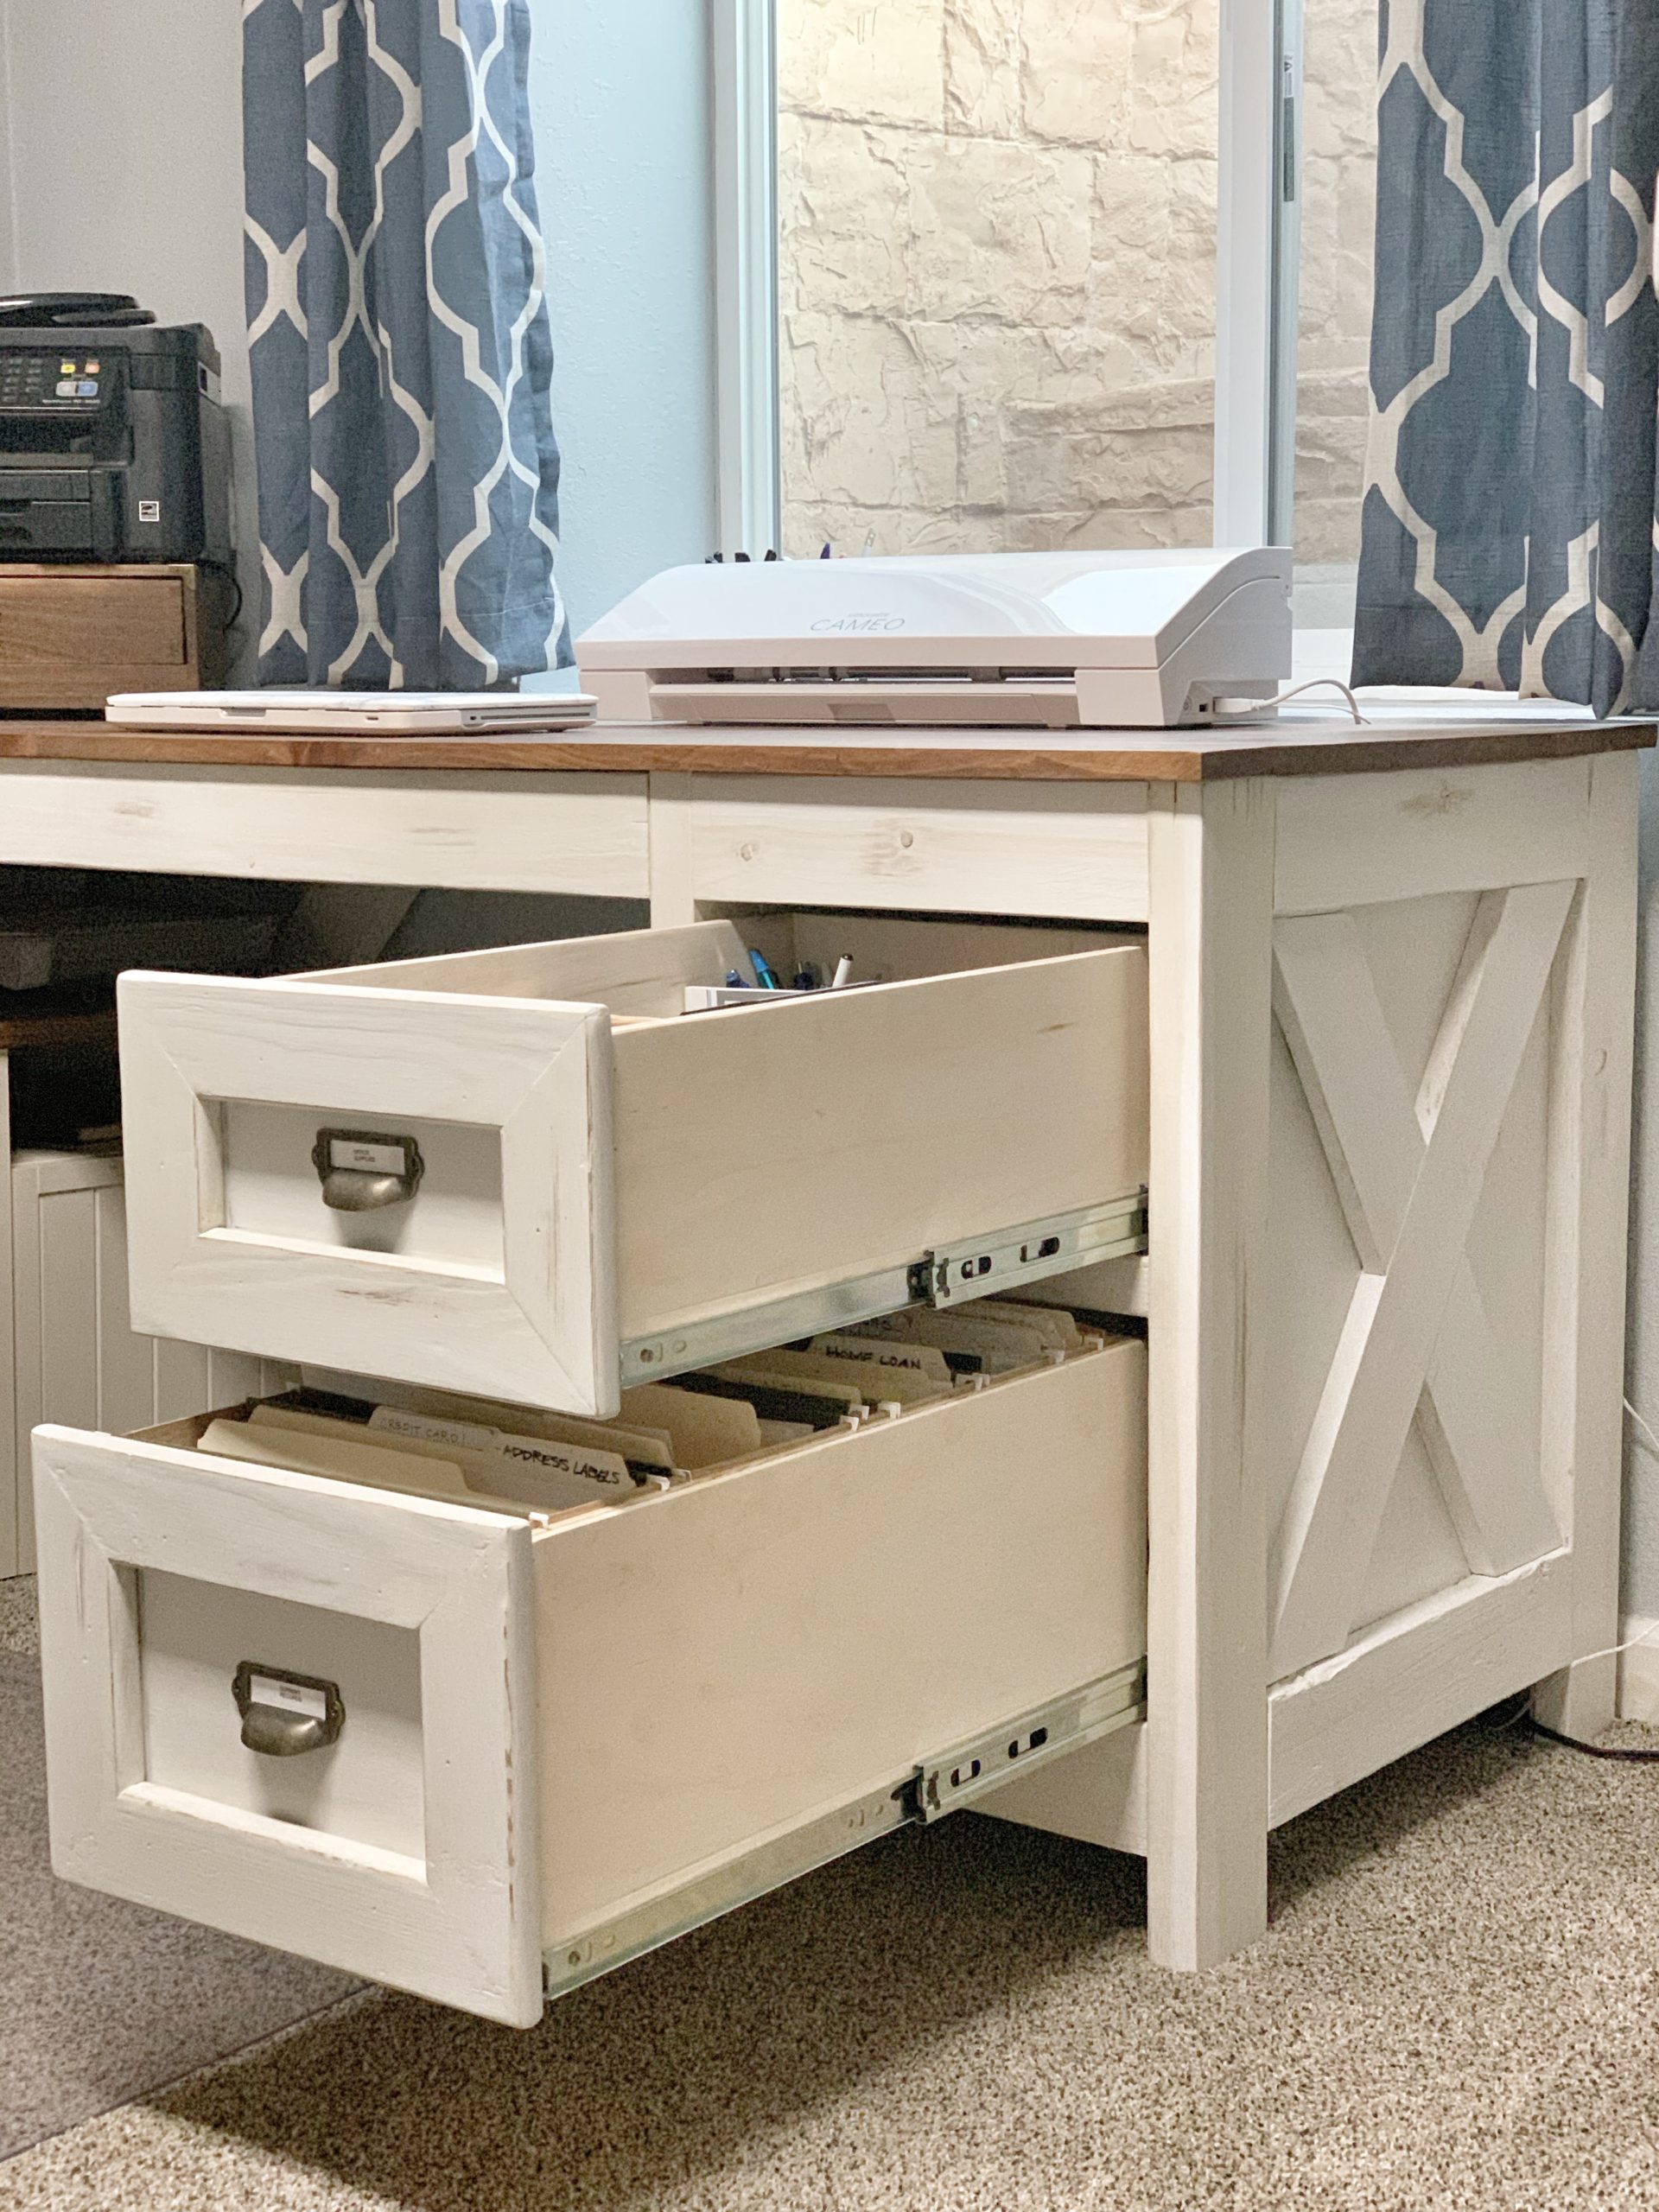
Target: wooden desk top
point(1300, 742)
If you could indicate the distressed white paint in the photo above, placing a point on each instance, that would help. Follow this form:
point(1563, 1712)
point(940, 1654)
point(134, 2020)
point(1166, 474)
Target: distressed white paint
point(455, 832)
point(540, 1325)
point(457, 1917)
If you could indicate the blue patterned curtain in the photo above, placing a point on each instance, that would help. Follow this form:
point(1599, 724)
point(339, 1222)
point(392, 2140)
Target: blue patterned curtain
point(1509, 535)
point(408, 472)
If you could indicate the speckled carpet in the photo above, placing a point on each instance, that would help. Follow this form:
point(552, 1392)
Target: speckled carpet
point(1455, 2010)
point(101, 2001)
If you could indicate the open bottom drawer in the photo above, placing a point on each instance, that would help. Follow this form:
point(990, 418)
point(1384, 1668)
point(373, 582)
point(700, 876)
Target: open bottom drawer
point(564, 1738)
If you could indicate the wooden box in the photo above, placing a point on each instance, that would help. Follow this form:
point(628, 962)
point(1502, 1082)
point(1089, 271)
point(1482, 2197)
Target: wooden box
point(70, 636)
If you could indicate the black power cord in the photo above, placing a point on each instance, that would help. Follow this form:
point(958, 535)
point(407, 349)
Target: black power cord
point(1517, 1713)
point(1596, 1750)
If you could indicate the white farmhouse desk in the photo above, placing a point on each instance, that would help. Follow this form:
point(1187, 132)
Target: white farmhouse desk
point(1391, 993)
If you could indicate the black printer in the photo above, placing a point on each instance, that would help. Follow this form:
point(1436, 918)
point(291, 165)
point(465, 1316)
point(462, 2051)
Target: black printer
point(113, 444)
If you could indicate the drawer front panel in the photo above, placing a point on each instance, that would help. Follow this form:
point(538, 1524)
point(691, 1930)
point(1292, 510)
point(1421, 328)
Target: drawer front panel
point(368, 1792)
point(228, 1088)
point(157, 1567)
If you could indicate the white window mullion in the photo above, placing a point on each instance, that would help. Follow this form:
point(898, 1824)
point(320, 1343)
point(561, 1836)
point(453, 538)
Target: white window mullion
point(1257, 241)
point(745, 273)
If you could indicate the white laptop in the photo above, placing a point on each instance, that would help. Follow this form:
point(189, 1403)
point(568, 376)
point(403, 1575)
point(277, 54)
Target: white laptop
point(361, 714)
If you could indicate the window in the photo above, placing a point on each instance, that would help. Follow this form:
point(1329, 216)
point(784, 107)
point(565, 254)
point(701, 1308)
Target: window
point(1002, 273)
point(997, 273)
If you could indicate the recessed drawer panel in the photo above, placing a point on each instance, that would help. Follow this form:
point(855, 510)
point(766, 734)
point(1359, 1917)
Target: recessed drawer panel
point(535, 1174)
point(453, 1748)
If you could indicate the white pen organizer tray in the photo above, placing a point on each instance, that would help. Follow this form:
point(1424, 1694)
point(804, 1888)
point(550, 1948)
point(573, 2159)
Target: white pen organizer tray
point(546, 1172)
point(481, 1700)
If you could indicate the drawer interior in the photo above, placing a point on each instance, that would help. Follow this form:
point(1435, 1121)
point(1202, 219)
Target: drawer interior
point(770, 1612)
point(644, 975)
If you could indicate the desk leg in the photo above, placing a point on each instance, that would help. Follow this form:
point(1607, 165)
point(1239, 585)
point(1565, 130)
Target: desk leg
point(1592, 1012)
point(1210, 947)
point(670, 817)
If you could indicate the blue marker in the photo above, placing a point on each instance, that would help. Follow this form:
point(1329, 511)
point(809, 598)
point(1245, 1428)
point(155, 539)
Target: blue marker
point(734, 982)
point(762, 967)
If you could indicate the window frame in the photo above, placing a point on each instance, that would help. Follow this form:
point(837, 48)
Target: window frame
point(1257, 256)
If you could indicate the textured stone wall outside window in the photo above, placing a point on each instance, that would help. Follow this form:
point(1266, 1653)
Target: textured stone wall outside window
point(997, 264)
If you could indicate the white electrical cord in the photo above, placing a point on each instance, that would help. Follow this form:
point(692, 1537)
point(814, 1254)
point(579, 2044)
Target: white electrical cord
point(1617, 1650)
point(1314, 683)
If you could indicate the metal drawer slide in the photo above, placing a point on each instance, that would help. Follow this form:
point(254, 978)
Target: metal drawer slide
point(1004, 1260)
point(946, 1783)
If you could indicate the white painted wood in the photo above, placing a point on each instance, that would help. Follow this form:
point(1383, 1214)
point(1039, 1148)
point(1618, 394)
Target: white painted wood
point(1374, 1136)
point(1107, 1287)
point(1340, 842)
point(194, 1636)
point(540, 1327)
point(755, 1153)
point(781, 1146)
point(645, 972)
point(632, 972)
point(714, 1666)
point(1412, 1677)
point(1211, 874)
point(1348, 841)
point(1072, 850)
point(1098, 1795)
point(1638, 1670)
point(1329, 1530)
point(1587, 1231)
point(728, 1659)
point(77, 1357)
point(454, 831)
point(457, 1917)
point(673, 902)
point(272, 1191)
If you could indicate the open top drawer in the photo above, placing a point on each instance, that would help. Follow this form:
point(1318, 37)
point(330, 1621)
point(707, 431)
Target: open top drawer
point(533, 1174)
point(467, 1748)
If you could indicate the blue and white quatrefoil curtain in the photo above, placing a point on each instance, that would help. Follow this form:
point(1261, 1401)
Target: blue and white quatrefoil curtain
point(408, 472)
point(1509, 509)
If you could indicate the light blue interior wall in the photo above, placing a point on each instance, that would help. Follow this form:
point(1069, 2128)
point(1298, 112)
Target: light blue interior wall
point(121, 141)
point(621, 112)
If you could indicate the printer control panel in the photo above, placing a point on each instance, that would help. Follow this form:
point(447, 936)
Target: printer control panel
point(53, 383)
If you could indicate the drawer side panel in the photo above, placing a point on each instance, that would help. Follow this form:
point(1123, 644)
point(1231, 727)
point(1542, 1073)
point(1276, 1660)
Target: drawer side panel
point(786, 1145)
point(729, 1659)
